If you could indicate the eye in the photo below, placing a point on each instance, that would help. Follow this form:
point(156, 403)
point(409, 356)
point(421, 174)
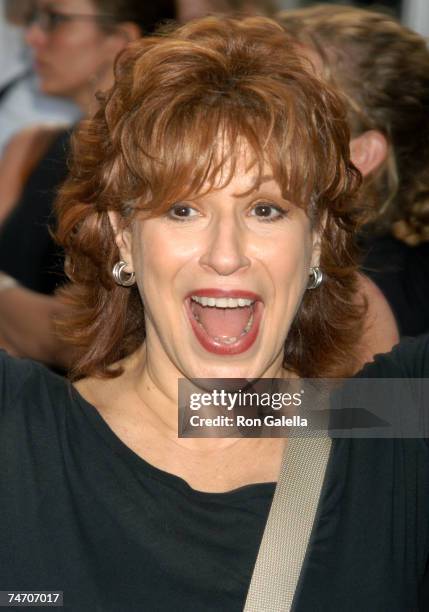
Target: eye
point(266, 211)
point(181, 212)
point(52, 19)
point(55, 19)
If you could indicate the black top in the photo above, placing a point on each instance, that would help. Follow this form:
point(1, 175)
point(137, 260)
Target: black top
point(27, 249)
point(402, 274)
point(80, 512)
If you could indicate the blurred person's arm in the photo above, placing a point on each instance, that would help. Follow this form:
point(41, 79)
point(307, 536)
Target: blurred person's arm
point(27, 326)
point(379, 332)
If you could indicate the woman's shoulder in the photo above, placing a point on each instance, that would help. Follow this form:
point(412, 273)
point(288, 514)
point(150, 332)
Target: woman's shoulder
point(13, 375)
point(395, 387)
point(28, 386)
point(408, 359)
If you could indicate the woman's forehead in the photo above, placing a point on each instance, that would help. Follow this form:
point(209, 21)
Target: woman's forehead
point(242, 184)
point(240, 171)
point(240, 162)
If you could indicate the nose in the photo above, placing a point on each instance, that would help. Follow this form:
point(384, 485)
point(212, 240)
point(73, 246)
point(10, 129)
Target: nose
point(35, 36)
point(226, 247)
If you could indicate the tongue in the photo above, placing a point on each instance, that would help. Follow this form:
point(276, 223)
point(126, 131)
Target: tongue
point(222, 322)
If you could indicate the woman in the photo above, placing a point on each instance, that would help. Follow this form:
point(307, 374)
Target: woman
point(75, 43)
point(207, 221)
point(383, 69)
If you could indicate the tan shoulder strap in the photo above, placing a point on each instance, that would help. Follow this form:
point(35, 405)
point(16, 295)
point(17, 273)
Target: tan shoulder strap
point(290, 522)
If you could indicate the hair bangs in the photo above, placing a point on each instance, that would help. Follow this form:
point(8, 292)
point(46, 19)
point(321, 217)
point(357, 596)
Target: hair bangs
point(191, 149)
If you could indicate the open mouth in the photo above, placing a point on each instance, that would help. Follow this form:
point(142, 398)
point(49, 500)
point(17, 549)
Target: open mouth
point(225, 323)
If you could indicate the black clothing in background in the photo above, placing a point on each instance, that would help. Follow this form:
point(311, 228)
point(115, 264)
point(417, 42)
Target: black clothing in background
point(82, 513)
point(27, 250)
point(402, 274)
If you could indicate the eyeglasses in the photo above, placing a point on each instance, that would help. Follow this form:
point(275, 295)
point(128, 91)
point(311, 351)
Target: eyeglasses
point(49, 20)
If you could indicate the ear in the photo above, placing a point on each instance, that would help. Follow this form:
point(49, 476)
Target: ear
point(315, 256)
point(123, 239)
point(369, 151)
point(122, 34)
point(317, 241)
point(129, 31)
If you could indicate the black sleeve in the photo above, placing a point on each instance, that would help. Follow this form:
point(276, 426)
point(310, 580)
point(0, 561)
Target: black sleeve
point(408, 359)
point(388, 397)
point(14, 374)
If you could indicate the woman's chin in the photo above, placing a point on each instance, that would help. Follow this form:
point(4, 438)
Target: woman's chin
point(202, 368)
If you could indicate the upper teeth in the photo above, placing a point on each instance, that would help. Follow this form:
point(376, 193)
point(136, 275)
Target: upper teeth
point(222, 302)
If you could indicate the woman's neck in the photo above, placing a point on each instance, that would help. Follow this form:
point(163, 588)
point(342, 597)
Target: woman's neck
point(154, 389)
point(143, 412)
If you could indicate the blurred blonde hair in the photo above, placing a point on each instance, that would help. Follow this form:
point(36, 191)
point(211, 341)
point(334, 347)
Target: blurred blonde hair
point(382, 68)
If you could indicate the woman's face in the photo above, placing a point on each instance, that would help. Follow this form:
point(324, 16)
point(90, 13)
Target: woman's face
point(221, 277)
point(72, 56)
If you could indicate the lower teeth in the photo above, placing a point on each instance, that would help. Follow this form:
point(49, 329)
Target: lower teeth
point(228, 339)
point(232, 339)
point(248, 325)
point(225, 339)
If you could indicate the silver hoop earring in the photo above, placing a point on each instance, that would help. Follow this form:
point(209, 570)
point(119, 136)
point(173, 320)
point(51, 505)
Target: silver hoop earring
point(315, 278)
point(121, 277)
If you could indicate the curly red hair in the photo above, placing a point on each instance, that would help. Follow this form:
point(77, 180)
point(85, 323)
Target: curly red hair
point(173, 123)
